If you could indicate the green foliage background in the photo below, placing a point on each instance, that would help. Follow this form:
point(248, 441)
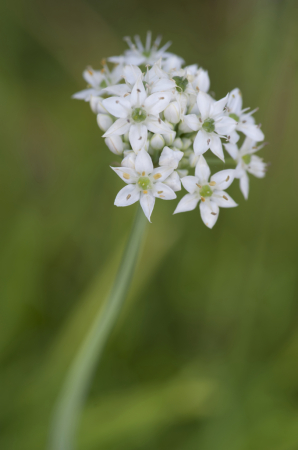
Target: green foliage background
point(204, 355)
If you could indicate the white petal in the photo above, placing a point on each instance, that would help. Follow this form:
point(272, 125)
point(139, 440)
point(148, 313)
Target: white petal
point(222, 199)
point(143, 163)
point(127, 196)
point(85, 94)
point(216, 147)
point(118, 89)
point(252, 131)
point(115, 144)
point(234, 137)
point(161, 173)
point(138, 94)
point(121, 126)
point(192, 121)
point(202, 170)
point(204, 104)
point(126, 174)
point(232, 149)
point(147, 203)
point(137, 137)
point(190, 183)
point(156, 103)
point(132, 74)
point(163, 85)
point(129, 160)
point(244, 185)
point(117, 106)
point(209, 213)
point(187, 203)
point(202, 80)
point(156, 125)
point(161, 190)
point(235, 102)
point(200, 144)
point(218, 107)
point(223, 179)
point(173, 181)
point(170, 157)
point(225, 125)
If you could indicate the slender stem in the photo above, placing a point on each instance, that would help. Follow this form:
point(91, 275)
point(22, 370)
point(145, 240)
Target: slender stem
point(217, 161)
point(75, 389)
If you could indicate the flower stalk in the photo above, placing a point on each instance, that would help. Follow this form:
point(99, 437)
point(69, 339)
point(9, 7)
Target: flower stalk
point(75, 389)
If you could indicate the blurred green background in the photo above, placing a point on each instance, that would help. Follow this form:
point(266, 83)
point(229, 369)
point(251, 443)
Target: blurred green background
point(205, 354)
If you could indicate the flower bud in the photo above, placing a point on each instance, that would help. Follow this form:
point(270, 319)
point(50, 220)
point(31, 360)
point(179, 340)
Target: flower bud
point(157, 142)
point(178, 143)
point(129, 160)
point(115, 144)
point(186, 143)
point(172, 112)
point(96, 105)
point(104, 121)
point(169, 138)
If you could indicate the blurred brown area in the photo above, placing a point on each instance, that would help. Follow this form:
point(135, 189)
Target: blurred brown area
point(205, 354)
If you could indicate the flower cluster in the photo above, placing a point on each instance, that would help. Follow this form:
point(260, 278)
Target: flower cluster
point(156, 113)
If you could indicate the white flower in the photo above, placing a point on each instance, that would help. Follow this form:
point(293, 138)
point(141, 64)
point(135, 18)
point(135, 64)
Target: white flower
point(172, 62)
point(98, 80)
point(212, 124)
point(247, 163)
point(138, 113)
point(144, 183)
point(139, 54)
point(104, 121)
point(211, 193)
point(245, 121)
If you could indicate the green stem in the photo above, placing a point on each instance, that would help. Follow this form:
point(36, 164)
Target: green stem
point(217, 161)
point(72, 397)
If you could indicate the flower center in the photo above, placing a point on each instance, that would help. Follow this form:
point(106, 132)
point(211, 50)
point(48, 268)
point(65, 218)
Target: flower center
point(246, 159)
point(181, 83)
point(139, 115)
point(144, 183)
point(205, 191)
point(147, 53)
point(208, 125)
point(234, 116)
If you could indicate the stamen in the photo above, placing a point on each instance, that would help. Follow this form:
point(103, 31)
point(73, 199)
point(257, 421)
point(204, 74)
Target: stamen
point(226, 198)
point(212, 183)
point(199, 185)
point(157, 176)
point(159, 192)
point(161, 98)
point(126, 176)
point(228, 177)
point(143, 174)
point(128, 197)
point(213, 214)
point(145, 192)
point(159, 120)
point(203, 199)
point(161, 196)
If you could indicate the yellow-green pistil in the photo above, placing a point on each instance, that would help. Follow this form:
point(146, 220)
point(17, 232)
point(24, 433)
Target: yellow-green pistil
point(206, 191)
point(139, 115)
point(181, 83)
point(234, 116)
point(246, 159)
point(144, 183)
point(208, 125)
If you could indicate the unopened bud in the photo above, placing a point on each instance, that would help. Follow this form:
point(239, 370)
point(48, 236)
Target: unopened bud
point(186, 143)
point(172, 112)
point(126, 137)
point(96, 105)
point(157, 142)
point(129, 160)
point(104, 121)
point(169, 138)
point(115, 144)
point(178, 143)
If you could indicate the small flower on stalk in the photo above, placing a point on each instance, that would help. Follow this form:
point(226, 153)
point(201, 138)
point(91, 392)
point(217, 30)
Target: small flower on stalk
point(248, 162)
point(212, 125)
point(211, 193)
point(144, 184)
point(137, 113)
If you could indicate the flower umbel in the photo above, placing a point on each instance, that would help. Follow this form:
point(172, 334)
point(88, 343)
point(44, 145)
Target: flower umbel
point(158, 117)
